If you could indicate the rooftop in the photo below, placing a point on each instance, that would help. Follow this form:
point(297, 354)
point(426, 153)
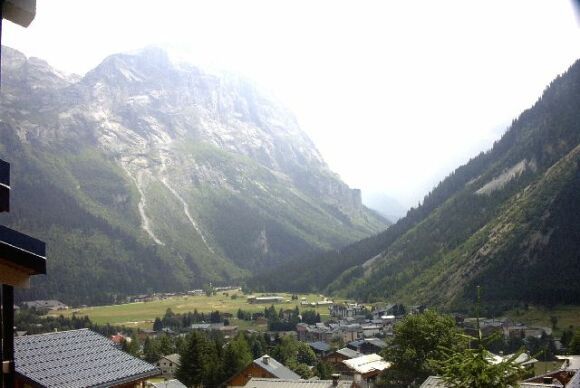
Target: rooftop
point(275, 368)
point(320, 346)
point(282, 383)
point(169, 384)
point(174, 358)
point(348, 352)
point(368, 363)
point(77, 358)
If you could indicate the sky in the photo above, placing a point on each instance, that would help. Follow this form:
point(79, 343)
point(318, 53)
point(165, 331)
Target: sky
point(395, 94)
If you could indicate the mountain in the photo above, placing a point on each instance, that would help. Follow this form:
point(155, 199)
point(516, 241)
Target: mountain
point(508, 220)
point(387, 206)
point(151, 175)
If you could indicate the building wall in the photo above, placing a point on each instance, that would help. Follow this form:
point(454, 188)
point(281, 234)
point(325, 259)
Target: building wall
point(250, 371)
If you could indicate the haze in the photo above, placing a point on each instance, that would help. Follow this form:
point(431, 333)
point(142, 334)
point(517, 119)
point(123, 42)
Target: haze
point(394, 94)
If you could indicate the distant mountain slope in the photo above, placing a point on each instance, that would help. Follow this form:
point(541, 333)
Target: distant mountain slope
point(150, 175)
point(507, 220)
point(385, 205)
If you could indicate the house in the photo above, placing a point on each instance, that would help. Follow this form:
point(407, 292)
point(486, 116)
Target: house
point(320, 348)
point(351, 332)
point(367, 345)
point(368, 366)
point(336, 359)
point(228, 331)
point(169, 364)
point(264, 367)
point(567, 376)
point(49, 305)
point(346, 310)
point(372, 329)
point(283, 383)
point(524, 360)
point(167, 384)
point(76, 358)
point(201, 326)
point(433, 382)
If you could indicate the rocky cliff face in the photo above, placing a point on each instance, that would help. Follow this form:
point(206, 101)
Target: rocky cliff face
point(204, 166)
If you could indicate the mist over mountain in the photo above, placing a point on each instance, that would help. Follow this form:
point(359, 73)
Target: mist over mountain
point(387, 206)
point(158, 172)
point(507, 221)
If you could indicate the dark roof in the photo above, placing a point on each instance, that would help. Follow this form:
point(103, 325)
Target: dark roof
point(377, 342)
point(347, 352)
point(373, 341)
point(275, 368)
point(22, 250)
point(281, 383)
point(320, 346)
point(76, 358)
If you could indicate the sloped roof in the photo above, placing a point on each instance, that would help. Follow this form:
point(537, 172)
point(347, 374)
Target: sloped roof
point(433, 382)
point(283, 383)
point(368, 363)
point(76, 358)
point(169, 384)
point(275, 368)
point(174, 358)
point(348, 352)
point(321, 346)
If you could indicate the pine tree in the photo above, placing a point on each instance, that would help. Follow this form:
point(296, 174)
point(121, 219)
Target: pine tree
point(190, 372)
point(150, 351)
point(237, 355)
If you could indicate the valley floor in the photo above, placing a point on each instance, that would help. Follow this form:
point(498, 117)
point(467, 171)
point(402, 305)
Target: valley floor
point(142, 314)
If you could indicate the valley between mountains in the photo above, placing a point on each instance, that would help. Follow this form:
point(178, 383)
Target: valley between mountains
point(156, 171)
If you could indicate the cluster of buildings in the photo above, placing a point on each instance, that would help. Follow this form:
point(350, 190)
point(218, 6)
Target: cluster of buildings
point(566, 375)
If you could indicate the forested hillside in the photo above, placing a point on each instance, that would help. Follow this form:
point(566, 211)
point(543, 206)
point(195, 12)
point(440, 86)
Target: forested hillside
point(149, 175)
point(507, 220)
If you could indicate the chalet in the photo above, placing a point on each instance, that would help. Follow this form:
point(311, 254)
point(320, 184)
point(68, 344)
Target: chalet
point(393, 309)
point(169, 364)
point(372, 329)
point(228, 331)
point(118, 339)
point(367, 345)
point(76, 358)
point(327, 332)
point(433, 382)
point(48, 305)
point(526, 362)
point(167, 384)
point(336, 359)
point(283, 383)
point(346, 310)
point(320, 348)
point(368, 367)
point(264, 367)
point(21, 256)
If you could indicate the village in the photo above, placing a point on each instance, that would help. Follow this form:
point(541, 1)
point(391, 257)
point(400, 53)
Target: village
point(348, 337)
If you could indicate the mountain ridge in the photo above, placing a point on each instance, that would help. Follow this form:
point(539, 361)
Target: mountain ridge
point(198, 172)
point(430, 248)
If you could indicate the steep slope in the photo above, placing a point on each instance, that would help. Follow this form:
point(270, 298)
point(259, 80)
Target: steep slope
point(507, 220)
point(144, 163)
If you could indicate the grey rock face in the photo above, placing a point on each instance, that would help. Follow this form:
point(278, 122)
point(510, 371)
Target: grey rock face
point(189, 144)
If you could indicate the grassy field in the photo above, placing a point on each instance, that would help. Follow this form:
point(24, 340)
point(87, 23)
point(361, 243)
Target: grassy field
point(142, 314)
point(540, 316)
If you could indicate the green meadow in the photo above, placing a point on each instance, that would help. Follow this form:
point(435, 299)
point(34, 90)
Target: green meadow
point(567, 316)
point(142, 314)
